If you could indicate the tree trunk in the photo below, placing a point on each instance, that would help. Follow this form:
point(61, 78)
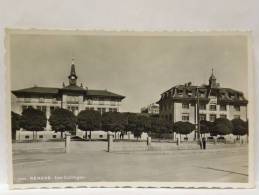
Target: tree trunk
point(90, 135)
point(86, 135)
point(33, 135)
point(61, 134)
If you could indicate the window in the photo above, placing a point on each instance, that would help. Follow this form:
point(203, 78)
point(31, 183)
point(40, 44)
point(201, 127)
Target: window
point(89, 108)
point(72, 99)
point(202, 117)
point(237, 107)
point(212, 117)
point(202, 94)
point(223, 116)
point(89, 102)
point(202, 107)
point(41, 100)
point(213, 107)
point(100, 136)
point(185, 105)
point(43, 109)
point(236, 116)
point(101, 102)
point(103, 110)
point(113, 110)
point(54, 136)
point(231, 95)
point(179, 92)
point(185, 117)
point(113, 103)
point(52, 108)
point(40, 136)
point(54, 101)
point(223, 107)
point(72, 108)
point(28, 100)
point(27, 137)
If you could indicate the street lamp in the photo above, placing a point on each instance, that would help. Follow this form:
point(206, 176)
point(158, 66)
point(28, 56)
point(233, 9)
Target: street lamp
point(198, 118)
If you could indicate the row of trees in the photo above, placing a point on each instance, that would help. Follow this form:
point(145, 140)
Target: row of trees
point(223, 126)
point(62, 120)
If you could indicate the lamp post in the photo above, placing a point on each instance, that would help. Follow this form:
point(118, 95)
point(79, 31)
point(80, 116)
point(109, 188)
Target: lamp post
point(198, 118)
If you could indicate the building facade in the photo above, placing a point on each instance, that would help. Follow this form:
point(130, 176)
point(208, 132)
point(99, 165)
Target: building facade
point(152, 109)
point(72, 97)
point(207, 102)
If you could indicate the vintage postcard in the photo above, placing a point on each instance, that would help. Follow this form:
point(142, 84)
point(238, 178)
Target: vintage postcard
point(130, 109)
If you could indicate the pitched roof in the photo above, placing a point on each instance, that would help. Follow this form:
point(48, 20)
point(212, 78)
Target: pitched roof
point(55, 91)
point(37, 90)
point(93, 92)
point(189, 92)
point(73, 88)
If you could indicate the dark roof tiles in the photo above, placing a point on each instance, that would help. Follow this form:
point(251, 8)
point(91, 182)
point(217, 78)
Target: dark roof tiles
point(39, 90)
point(53, 91)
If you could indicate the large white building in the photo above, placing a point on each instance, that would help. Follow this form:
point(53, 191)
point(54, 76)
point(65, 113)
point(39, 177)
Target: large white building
point(207, 102)
point(71, 97)
point(152, 109)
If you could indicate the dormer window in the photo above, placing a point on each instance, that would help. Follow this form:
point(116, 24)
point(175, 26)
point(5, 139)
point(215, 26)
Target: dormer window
point(54, 100)
point(180, 92)
point(231, 95)
point(222, 94)
point(202, 93)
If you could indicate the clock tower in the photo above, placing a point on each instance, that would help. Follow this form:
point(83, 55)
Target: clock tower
point(72, 77)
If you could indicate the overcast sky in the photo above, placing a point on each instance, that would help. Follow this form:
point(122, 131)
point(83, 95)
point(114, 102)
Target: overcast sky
point(138, 67)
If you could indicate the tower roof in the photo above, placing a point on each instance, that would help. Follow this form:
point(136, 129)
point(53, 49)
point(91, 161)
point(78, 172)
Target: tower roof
point(72, 69)
point(212, 76)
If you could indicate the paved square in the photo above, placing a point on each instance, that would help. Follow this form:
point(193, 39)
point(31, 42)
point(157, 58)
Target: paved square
point(89, 161)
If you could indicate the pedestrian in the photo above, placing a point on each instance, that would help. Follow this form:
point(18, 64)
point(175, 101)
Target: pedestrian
point(204, 143)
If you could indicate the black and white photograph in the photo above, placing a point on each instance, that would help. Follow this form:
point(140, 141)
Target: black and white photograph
point(148, 109)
